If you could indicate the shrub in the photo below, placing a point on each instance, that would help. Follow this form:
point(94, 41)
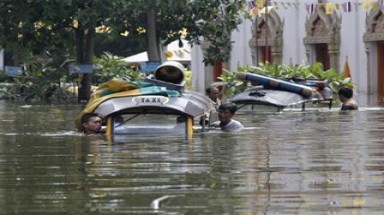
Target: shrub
point(275, 70)
point(109, 66)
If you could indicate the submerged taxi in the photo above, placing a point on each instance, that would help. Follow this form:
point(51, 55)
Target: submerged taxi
point(282, 93)
point(157, 106)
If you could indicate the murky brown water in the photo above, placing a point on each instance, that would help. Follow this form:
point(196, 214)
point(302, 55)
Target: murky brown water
point(313, 162)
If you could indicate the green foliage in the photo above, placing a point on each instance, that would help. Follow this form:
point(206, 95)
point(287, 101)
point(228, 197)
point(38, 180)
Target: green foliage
point(39, 25)
point(41, 81)
point(110, 66)
point(43, 77)
point(37, 75)
point(275, 70)
point(215, 20)
point(32, 27)
point(230, 83)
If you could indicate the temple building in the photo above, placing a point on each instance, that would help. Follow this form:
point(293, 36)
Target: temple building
point(295, 32)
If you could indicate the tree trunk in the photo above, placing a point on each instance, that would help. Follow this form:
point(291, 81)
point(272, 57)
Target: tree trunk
point(85, 53)
point(217, 70)
point(153, 47)
point(89, 42)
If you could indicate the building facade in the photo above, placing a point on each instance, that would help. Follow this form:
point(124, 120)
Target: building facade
point(294, 32)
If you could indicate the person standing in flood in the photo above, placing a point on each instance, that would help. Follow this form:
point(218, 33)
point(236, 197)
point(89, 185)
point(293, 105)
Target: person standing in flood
point(346, 98)
point(226, 121)
point(213, 93)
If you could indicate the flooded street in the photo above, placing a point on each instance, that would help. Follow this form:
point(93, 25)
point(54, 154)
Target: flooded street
point(318, 161)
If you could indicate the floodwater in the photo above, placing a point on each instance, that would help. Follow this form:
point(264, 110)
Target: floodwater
point(318, 161)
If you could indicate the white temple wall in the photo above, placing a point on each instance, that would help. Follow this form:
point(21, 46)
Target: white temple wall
point(294, 19)
point(353, 46)
point(241, 51)
point(293, 34)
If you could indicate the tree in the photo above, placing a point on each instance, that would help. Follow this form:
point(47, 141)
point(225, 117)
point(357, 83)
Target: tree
point(212, 20)
point(34, 26)
point(160, 21)
point(215, 21)
point(25, 31)
point(163, 21)
point(31, 27)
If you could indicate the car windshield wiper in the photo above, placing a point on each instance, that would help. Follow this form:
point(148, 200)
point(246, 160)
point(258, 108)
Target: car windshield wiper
point(129, 119)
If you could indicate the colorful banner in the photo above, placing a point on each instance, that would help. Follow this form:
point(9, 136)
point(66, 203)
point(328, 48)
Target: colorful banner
point(251, 5)
point(347, 7)
point(330, 7)
point(311, 8)
point(260, 4)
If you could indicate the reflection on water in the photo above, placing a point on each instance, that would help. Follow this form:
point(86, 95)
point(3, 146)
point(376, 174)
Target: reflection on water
point(313, 162)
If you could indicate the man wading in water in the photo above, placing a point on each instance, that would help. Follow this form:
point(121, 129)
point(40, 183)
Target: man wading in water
point(226, 123)
point(345, 96)
point(92, 123)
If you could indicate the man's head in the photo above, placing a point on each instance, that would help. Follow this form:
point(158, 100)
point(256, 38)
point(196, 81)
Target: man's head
point(213, 93)
point(91, 123)
point(345, 93)
point(226, 112)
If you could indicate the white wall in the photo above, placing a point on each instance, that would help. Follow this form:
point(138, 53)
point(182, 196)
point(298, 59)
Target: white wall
point(353, 46)
point(294, 18)
point(241, 51)
point(294, 32)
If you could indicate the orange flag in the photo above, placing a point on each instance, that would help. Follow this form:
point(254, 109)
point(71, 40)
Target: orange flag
point(346, 71)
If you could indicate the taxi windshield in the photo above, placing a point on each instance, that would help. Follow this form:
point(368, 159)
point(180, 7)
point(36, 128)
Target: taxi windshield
point(149, 124)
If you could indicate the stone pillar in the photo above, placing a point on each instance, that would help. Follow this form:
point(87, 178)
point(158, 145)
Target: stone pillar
point(308, 53)
point(370, 91)
point(334, 52)
point(255, 51)
point(208, 69)
point(277, 53)
point(198, 69)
